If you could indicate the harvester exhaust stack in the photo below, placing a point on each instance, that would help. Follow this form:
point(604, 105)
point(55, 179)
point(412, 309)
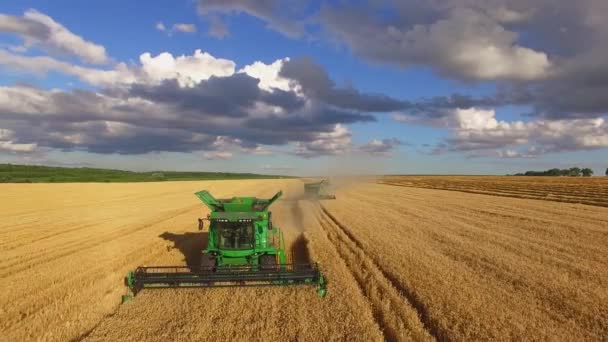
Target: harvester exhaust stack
point(244, 249)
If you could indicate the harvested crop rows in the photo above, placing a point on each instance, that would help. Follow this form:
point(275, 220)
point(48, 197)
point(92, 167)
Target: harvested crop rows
point(403, 263)
point(392, 311)
point(591, 191)
point(486, 267)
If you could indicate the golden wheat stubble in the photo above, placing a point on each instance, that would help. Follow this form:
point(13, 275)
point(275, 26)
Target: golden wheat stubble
point(486, 266)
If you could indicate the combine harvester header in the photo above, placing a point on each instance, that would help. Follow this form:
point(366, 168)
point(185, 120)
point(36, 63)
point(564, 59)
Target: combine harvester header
point(243, 249)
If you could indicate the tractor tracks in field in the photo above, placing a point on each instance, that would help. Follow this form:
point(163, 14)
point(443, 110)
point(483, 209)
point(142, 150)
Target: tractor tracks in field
point(396, 309)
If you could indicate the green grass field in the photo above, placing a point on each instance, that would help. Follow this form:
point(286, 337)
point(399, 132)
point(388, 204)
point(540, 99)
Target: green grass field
point(45, 174)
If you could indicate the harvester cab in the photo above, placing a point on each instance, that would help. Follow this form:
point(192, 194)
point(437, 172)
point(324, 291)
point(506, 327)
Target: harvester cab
point(244, 248)
point(241, 232)
point(319, 190)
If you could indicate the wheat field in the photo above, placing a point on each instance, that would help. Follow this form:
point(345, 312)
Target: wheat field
point(403, 263)
point(583, 190)
point(486, 267)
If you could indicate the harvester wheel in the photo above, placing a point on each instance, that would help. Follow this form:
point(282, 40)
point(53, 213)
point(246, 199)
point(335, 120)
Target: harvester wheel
point(207, 262)
point(268, 262)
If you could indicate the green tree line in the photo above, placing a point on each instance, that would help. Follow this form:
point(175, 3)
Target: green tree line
point(10, 173)
point(571, 172)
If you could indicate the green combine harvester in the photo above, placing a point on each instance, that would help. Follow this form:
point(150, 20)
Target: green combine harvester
point(318, 190)
point(244, 249)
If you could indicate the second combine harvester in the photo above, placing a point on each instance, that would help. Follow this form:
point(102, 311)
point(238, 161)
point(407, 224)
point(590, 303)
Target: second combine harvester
point(319, 190)
point(243, 249)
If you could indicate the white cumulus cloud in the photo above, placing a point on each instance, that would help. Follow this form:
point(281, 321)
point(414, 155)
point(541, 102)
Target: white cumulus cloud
point(188, 70)
point(477, 129)
point(8, 145)
point(268, 74)
point(39, 29)
point(337, 142)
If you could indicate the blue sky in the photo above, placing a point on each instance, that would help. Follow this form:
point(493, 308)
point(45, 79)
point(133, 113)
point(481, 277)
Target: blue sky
point(386, 96)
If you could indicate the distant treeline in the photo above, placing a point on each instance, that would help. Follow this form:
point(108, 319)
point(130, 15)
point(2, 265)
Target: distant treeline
point(10, 173)
point(571, 172)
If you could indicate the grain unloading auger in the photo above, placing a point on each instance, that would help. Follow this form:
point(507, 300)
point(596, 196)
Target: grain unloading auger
point(243, 249)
